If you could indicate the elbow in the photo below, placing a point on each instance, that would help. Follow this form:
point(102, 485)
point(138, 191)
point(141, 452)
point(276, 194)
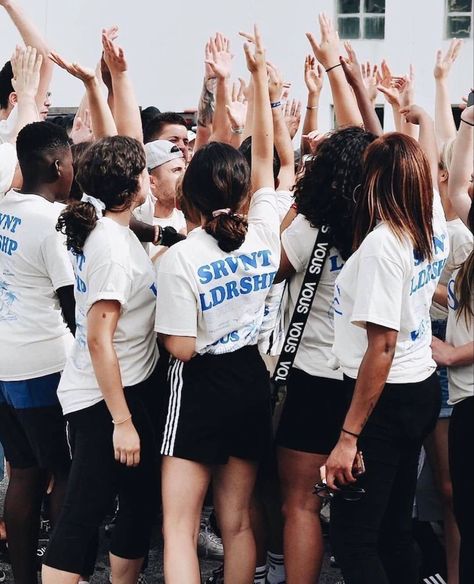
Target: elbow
point(181, 348)
point(96, 345)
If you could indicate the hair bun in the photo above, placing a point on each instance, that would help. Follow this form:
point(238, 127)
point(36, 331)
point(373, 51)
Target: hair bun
point(229, 229)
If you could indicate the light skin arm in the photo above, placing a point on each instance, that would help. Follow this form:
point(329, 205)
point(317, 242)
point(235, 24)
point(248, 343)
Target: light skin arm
point(126, 110)
point(386, 85)
point(102, 121)
point(353, 75)
point(444, 121)
point(182, 348)
point(250, 109)
point(462, 166)
point(372, 377)
point(237, 112)
point(206, 103)
point(33, 38)
point(327, 53)
point(447, 355)
point(26, 64)
point(441, 295)
point(416, 116)
point(262, 136)
point(407, 98)
point(283, 145)
point(313, 77)
point(221, 66)
point(102, 322)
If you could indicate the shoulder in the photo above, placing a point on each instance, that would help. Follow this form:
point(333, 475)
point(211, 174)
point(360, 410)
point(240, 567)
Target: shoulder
point(383, 243)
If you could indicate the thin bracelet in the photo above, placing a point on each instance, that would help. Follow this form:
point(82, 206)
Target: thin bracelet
point(333, 67)
point(312, 107)
point(466, 122)
point(237, 130)
point(274, 104)
point(122, 421)
point(350, 433)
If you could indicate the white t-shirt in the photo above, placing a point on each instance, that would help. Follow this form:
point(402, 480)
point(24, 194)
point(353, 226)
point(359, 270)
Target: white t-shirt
point(34, 263)
point(176, 220)
point(8, 162)
point(458, 333)
point(215, 296)
point(460, 245)
point(383, 283)
point(8, 126)
point(273, 302)
point(314, 351)
point(113, 266)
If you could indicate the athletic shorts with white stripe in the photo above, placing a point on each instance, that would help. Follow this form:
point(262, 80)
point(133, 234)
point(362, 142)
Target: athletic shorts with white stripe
point(218, 406)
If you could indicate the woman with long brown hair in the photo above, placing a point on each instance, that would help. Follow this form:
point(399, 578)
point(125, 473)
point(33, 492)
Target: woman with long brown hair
point(382, 343)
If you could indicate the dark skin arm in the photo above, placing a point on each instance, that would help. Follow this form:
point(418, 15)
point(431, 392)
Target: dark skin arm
point(68, 306)
point(144, 231)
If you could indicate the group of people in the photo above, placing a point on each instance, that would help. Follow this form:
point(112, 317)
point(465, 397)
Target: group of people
point(145, 270)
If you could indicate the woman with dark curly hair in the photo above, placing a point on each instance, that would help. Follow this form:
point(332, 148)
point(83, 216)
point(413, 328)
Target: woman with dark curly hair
point(107, 386)
point(316, 401)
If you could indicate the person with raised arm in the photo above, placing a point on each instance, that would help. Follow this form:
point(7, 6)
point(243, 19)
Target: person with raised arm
point(207, 101)
point(461, 166)
point(32, 38)
point(313, 78)
point(382, 344)
point(327, 53)
point(220, 62)
point(218, 419)
point(444, 121)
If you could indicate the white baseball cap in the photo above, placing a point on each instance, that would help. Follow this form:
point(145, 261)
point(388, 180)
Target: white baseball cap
point(160, 152)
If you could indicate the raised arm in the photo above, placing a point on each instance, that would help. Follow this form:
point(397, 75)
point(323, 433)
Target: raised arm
point(26, 65)
point(313, 78)
point(417, 116)
point(237, 113)
point(221, 65)
point(387, 86)
point(101, 117)
point(444, 121)
point(406, 86)
point(262, 136)
point(206, 102)
point(33, 38)
point(327, 53)
point(126, 110)
point(354, 77)
point(282, 138)
point(462, 166)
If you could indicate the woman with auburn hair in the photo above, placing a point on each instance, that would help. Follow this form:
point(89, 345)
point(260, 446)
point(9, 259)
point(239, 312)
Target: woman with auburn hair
point(382, 343)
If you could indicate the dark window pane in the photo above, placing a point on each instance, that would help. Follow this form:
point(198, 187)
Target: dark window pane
point(459, 26)
point(348, 6)
point(374, 27)
point(375, 6)
point(349, 28)
point(459, 5)
point(379, 110)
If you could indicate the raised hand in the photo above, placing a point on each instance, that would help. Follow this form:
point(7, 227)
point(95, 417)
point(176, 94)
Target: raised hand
point(255, 61)
point(237, 109)
point(26, 66)
point(82, 129)
point(444, 62)
point(369, 76)
point(326, 51)
point(292, 115)
point(114, 56)
point(387, 85)
point(351, 67)
point(407, 89)
point(275, 82)
point(220, 57)
point(84, 74)
point(313, 75)
point(413, 114)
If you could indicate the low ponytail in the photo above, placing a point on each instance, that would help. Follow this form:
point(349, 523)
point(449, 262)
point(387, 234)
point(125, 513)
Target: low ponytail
point(76, 222)
point(229, 230)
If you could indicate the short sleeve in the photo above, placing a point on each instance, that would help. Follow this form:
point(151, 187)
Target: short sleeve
point(8, 126)
point(8, 163)
point(284, 200)
point(111, 281)
point(176, 303)
point(379, 293)
point(264, 208)
point(57, 262)
point(296, 243)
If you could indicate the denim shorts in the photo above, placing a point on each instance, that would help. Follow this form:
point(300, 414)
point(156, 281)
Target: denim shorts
point(438, 328)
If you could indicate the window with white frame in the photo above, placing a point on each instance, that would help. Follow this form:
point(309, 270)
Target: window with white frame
point(361, 19)
point(458, 18)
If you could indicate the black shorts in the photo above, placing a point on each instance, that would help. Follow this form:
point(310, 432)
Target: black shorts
point(313, 413)
point(32, 427)
point(218, 406)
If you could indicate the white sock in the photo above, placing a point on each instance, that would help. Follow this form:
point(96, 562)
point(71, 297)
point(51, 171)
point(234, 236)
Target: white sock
point(276, 568)
point(260, 575)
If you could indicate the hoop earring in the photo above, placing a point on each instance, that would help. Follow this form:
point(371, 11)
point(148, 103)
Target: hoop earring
point(354, 192)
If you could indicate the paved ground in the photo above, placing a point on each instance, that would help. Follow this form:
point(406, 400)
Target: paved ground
point(154, 572)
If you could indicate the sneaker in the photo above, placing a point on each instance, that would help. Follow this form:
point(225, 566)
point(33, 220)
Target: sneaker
point(141, 579)
point(209, 544)
point(3, 576)
point(217, 576)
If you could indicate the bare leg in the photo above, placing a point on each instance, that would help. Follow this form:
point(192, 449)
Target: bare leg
point(53, 576)
point(184, 486)
point(233, 487)
point(302, 535)
point(125, 571)
point(436, 446)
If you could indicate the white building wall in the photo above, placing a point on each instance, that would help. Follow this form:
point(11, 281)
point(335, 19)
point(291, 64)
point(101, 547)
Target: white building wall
point(164, 43)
